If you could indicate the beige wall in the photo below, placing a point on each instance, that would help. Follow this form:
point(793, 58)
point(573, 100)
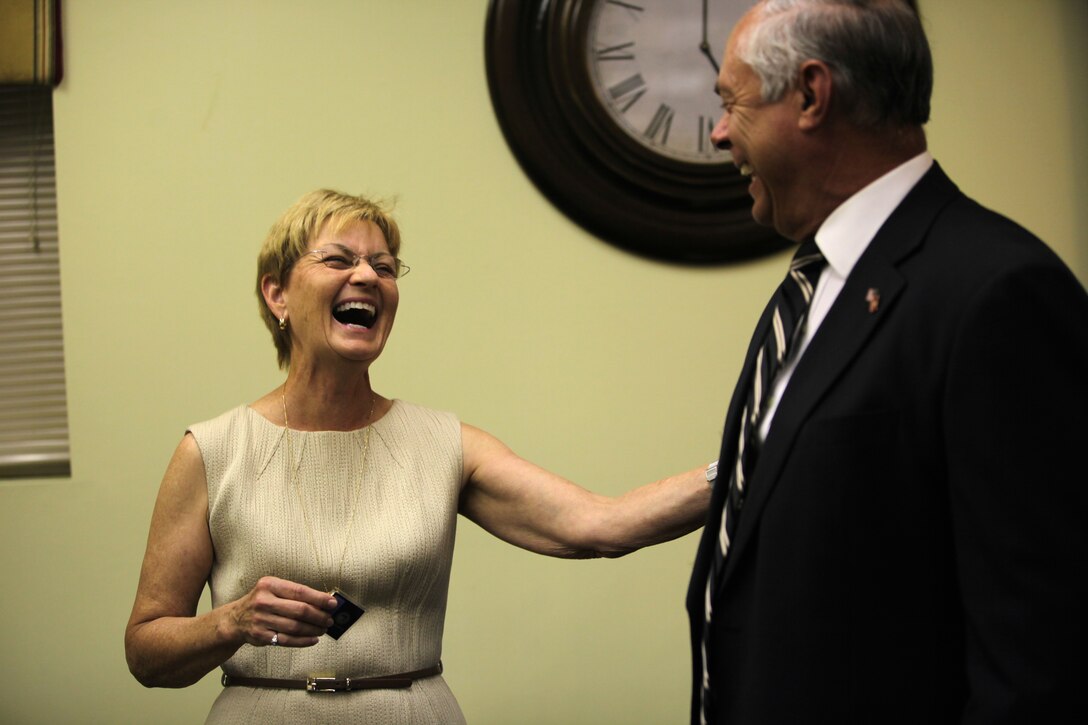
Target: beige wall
point(184, 128)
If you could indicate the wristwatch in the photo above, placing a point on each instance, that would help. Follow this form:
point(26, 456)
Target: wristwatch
point(711, 473)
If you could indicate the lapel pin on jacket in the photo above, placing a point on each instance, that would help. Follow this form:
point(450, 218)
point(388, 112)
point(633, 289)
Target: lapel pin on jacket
point(873, 298)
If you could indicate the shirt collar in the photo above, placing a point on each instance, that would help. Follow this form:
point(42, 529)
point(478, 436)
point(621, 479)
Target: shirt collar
point(846, 233)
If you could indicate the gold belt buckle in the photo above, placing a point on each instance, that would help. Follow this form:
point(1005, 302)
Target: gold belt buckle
point(326, 684)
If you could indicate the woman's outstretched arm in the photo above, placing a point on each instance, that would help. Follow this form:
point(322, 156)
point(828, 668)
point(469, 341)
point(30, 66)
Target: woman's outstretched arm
point(525, 505)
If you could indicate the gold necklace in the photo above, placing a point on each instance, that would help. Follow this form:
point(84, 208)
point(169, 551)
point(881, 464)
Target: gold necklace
point(302, 505)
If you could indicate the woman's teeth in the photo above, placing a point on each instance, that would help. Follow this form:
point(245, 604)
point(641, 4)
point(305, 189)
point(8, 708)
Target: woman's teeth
point(361, 314)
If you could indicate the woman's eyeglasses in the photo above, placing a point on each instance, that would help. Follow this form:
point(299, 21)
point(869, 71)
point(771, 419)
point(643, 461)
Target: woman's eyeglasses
point(384, 265)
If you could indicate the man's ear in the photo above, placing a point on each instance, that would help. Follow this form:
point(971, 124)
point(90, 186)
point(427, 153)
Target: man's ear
point(814, 90)
point(275, 295)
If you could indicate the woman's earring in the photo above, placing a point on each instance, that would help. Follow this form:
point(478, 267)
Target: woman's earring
point(283, 322)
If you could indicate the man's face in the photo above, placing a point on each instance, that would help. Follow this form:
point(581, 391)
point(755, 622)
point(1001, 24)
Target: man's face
point(760, 136)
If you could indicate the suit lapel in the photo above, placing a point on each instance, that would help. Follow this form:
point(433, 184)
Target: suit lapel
point(840, 339)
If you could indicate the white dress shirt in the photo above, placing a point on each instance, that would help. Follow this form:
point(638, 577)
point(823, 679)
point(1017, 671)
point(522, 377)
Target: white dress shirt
point(842, 239)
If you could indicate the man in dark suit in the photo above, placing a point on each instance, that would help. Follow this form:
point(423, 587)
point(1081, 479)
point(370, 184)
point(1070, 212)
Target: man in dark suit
point(899, 526)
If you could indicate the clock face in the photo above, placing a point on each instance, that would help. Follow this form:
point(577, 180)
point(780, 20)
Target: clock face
point(608, 106)
point(653, 65)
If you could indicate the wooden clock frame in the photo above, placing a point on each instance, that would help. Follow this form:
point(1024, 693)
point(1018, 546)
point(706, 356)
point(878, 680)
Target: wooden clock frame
point(643, 202)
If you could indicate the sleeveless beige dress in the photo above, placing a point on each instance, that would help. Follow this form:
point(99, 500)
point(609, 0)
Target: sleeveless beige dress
point(395, 555)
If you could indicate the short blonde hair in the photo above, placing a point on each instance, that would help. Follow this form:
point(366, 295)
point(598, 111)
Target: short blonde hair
point(290, 236)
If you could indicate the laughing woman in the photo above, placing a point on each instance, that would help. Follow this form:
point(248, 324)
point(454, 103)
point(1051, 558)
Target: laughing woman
point(323, 498)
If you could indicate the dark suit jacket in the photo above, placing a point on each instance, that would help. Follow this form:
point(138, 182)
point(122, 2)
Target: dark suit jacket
point(913, 547)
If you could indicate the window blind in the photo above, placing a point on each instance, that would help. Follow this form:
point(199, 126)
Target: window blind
point(33, 406)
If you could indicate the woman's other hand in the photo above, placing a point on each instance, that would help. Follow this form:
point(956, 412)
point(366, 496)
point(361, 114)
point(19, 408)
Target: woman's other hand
point(293, 613)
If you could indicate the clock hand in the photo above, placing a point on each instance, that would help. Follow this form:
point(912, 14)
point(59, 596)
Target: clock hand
point(705, 46)
point(704, 43)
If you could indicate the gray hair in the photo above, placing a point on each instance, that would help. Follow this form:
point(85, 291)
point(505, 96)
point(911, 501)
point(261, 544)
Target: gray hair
point(877, 51)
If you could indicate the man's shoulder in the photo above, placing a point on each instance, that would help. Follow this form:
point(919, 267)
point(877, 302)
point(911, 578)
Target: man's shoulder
point(959, 232)
point(970, 234)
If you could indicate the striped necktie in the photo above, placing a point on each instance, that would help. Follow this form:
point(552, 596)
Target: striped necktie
point(790, 305)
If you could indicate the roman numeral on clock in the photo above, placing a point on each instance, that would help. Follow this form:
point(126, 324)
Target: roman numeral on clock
point(630, 7)
point(706, 125)
point(616, 52)
point(661, 123)
point(628, 90)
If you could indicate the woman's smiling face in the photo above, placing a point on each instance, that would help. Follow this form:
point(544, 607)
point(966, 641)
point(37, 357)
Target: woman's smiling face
point(338, 305)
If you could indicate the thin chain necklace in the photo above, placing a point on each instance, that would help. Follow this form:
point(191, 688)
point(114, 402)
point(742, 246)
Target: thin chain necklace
point(302, 504)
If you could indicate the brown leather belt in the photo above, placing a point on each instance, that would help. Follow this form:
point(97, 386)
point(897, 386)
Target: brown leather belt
point(332, 684)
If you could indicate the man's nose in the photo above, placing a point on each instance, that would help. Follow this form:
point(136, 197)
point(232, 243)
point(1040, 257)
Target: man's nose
point(719, 136)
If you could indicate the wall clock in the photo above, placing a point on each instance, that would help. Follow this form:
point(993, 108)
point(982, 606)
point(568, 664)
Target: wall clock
point(608, 106)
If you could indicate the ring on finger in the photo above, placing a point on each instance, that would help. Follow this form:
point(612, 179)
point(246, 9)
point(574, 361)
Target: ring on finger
point(275, 638)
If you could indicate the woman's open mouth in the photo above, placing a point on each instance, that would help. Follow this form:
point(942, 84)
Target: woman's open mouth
point(355, 314)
